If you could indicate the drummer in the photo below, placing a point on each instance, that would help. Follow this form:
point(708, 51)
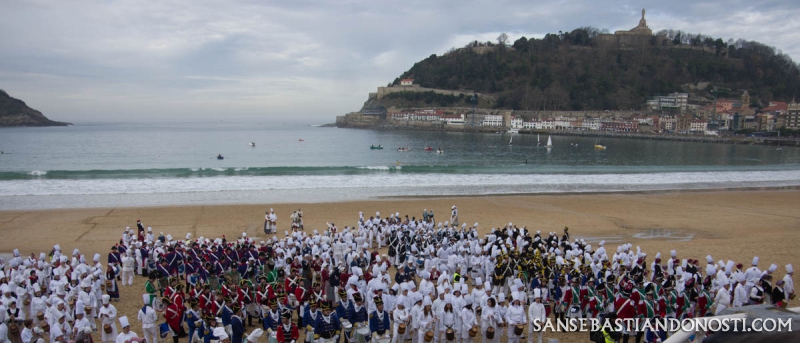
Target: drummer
point(310, 316)
point(327, 325)
point(515, 316)
point(379, 321)
point(271, 318)
point(358, 315)
point(400, 316)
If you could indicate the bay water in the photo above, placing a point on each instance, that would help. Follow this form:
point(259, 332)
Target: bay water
point(157, 164)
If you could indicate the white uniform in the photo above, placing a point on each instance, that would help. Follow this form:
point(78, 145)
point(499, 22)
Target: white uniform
point(468, 320)
point(110, 319)
point(128, 267)
point(148, 318)
point(536, 313)
point(740, 295)
point(515, 315)
point(126, 337)
point(722, 300)
point(400, 316)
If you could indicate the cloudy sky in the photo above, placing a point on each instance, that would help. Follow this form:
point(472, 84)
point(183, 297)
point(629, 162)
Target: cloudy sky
point(133, 60)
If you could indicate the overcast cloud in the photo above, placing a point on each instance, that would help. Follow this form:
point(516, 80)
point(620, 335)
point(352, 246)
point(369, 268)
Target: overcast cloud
point(130, 60)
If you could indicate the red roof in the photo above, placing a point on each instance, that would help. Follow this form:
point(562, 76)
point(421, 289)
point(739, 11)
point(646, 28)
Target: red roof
point(409, 80)
point(776, 106)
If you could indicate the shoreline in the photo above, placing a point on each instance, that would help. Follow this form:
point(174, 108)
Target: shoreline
point(731, 140)
point(640, 192)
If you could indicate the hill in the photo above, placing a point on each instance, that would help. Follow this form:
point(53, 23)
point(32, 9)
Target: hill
point(586, 69)
point(14, 112)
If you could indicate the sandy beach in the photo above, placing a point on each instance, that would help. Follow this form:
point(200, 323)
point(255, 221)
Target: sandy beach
point(733, 225)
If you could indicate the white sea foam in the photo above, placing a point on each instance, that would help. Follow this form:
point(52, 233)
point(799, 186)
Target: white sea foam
point(38, 173)
point(375, 168)
point(406, 184)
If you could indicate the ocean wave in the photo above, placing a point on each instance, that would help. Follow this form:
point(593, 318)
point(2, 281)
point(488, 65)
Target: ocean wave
point(206, 172)
point(476, 183)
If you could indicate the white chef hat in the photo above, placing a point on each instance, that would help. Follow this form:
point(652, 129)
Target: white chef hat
point(789, 268)
point(123, 321)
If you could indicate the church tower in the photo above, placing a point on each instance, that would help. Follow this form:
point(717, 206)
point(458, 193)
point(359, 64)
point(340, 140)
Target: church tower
point(745, 100)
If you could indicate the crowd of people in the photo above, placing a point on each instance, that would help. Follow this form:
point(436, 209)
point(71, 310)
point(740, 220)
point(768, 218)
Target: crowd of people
point(438, 282)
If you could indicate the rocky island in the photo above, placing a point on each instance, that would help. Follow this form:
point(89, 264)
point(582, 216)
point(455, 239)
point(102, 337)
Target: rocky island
point(14, 112)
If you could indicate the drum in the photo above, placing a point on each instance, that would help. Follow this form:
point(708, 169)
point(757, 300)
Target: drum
point(253, 310)
point(490, 333)
point(181, 269)
point(346, 324)
point(428, 336)
point(574, 311)
point(478, 311)
point(273, 337)
point(157, 304)
point(792, 296)
point(450, 334)
point(46, 327)
point(107, 328)
point(27, 301)
point(361, 334)
point(547, 309)
point(40, 316)
point(518, 329)
point(473, 331)
point(401, 329)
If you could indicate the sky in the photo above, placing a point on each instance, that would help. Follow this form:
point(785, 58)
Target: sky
point(201, 60)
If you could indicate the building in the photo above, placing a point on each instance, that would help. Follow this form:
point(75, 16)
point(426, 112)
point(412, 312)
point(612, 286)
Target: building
point(517, 122)
point(793, 115)
point(668, 123)
point(673, 102)
point(455, 120)
point(698, 126)
point(494, 120)
point(406, 82)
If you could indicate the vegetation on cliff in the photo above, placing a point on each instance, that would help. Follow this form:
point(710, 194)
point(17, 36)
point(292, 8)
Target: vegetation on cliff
point(14, 112)
point(580, 70)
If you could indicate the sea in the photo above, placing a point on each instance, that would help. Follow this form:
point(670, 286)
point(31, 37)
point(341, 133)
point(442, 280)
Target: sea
point(96, 165)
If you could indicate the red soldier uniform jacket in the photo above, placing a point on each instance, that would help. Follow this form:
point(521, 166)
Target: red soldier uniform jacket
point(287, 333)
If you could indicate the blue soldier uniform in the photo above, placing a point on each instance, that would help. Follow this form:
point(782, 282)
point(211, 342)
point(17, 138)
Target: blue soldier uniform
point(327, 326)
point(271, 320)
point(358, 315)
point(379, 320)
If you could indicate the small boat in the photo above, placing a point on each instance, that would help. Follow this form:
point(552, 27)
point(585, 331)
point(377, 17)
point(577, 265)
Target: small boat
point(537, 140)
point(549, 142)
point(428, 148)
point(599, 146)
point(253, 144)
point(301, 140)
point(439, 151)
point(403, 149)
point(219, 157)
point(376, 147)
